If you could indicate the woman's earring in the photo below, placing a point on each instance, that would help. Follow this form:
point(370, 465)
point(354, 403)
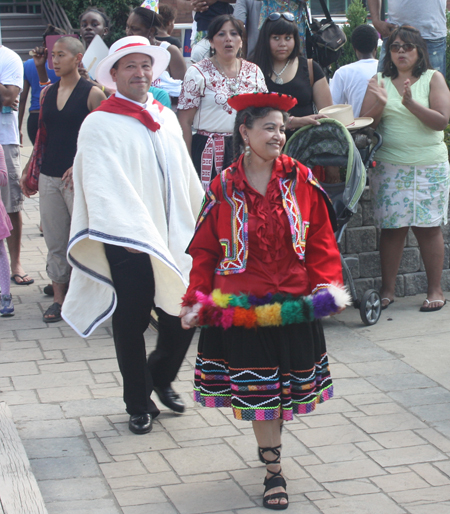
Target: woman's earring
point(239, 54)
point(391, 65)
point(247, 149)
point(212, 51)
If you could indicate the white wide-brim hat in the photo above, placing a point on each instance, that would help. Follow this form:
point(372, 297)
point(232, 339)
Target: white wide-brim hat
point(344, 114)
point(131, 45)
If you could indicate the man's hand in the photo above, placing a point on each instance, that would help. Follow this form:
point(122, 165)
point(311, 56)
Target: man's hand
point(67, 178)
point(201, 5)
point(189, 316)
point(384, 28)
point(27, 192)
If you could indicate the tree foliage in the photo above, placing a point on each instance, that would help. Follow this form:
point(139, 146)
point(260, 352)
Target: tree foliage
point(117, 10)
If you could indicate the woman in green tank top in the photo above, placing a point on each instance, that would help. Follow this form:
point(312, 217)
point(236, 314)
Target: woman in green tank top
point(410, 104)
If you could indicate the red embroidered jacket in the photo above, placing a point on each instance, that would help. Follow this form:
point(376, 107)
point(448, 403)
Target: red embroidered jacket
point(282, 242)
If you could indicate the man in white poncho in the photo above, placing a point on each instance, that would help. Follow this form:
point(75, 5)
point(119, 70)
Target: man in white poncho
point(137, 196)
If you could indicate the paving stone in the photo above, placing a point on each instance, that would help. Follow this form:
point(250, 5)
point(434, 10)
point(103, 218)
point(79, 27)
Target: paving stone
point(367, 503)
point(388, 422)
point(444, 466)
point(201, 433)
point(125, 444)
point(184, 422)
point(56, 447)
point(18, 397)
point(351, 487)
point(384, 367)
point(382, 408)
point(338, 453)
point(23, 355)
point(214, 498)
point(430, 508)
point(398, 439)
point(53, 428)
point(140, 497)
point(65, 467)
point(47, 380)
point(368, 445)
point(85, 507)
point(95, 423)
point(431, 413)
point(142, 480)
point(400, 482)
point(329, 436)
point(63, 394)
point(63, 343)
point(104, 378)
point(423, 495)
point(101, 455)
point(435, 438)
point(18, 369)
point(208, 459)
point(345, 386)
point(325, 420)
point(90, 354)
point(38, 333)
point(209, 477)
point(402, 381)
point(104, 365)
point(91, 488)
point(334, 471)
point(153, 508)
point(213, 417)
point(414, 396)
point(403, 456)
point(36, 411)
point(92, 407)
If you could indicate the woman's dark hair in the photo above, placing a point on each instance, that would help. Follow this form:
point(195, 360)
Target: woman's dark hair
point(407, 34)
point(219, 21)
point(248, 117)
point(167, 13)
point(52, 31)
point(365, 39)
point(262, 56)
point(149, 18)
point(98, 10)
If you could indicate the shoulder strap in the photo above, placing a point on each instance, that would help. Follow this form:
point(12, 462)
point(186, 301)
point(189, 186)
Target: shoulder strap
point(325, 10)
point(311, 72)
point(44, 93)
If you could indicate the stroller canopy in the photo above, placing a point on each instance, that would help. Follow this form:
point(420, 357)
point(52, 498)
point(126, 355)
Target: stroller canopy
point(330, 144)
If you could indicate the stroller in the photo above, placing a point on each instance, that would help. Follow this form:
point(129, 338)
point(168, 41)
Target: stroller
point(331, 144)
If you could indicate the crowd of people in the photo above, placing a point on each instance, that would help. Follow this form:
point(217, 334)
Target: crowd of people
point(164, 187)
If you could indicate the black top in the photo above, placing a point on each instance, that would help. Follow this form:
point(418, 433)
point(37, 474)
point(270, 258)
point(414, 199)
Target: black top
point(63, 127)
point(172, 40)
point(299, 87)
point(203, 19)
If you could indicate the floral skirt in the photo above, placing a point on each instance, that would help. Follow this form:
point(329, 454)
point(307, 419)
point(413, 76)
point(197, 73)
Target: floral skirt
point(404, 196)
point(264, 373)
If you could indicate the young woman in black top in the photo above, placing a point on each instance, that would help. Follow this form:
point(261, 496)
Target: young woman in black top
point(285, 71)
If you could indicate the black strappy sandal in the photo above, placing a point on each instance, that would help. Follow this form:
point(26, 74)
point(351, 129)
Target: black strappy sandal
point(260, 457)
point(276, 480)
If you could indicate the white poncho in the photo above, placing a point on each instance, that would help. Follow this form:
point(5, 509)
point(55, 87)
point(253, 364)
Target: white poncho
point(133, 188)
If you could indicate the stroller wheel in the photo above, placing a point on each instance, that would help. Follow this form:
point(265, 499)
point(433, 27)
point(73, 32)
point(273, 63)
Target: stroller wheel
point(370, 307)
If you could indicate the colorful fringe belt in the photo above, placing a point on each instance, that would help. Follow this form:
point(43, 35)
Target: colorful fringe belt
point(226, 310)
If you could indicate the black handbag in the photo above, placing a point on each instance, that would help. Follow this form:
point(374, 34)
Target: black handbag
point(325, 40)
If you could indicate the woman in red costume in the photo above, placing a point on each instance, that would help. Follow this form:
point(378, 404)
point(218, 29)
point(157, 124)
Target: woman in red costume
point(266, 268)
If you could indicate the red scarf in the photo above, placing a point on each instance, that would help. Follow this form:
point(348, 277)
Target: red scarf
point(120, 106)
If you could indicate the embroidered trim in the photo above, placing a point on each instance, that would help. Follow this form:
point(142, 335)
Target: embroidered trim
point(236, 250)
point(298, 226)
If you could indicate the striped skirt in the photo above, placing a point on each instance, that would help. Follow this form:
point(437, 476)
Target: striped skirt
point(265, 373)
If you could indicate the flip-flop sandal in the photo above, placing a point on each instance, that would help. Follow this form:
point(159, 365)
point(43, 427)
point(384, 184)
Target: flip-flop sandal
point(55, 311)
point(387, 305)
point(23, 282)
point(432, 309)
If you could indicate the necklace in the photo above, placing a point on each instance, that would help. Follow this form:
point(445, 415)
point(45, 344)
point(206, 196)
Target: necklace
point(232, 83)
point(278, 79)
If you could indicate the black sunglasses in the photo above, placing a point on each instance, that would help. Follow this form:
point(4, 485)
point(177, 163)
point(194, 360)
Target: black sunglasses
point(407, 47)
point(274, 16)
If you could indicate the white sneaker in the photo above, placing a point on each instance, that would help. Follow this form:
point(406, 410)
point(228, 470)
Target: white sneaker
point(6, 306)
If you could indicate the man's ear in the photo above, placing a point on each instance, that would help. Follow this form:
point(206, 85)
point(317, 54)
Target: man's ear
point(113, 73)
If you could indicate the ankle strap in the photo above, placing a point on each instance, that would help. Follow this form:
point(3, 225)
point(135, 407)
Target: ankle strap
point(275, 450)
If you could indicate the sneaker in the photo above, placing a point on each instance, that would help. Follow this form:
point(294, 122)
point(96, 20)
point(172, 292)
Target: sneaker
point(6, 306)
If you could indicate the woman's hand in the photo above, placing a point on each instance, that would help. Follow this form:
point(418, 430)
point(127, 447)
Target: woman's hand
point(378, 90)
point(189, 316)
point(67, 178)
point(407, 98)
point(294, 123)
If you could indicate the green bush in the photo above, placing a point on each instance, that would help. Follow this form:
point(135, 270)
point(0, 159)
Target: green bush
point(117, 10)
point(356, 15)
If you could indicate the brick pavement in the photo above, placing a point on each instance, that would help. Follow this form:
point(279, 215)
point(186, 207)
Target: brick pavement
point(381, 446)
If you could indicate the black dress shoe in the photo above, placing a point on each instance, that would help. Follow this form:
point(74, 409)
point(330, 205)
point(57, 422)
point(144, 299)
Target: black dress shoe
point(170, 398)
point(140, 423)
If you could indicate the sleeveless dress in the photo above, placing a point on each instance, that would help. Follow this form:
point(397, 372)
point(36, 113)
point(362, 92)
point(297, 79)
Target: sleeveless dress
point(410, 184)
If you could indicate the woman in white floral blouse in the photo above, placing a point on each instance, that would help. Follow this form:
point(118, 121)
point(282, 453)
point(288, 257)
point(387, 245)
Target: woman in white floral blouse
point(207, 85)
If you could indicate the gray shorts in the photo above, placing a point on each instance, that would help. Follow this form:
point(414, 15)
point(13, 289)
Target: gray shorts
point(11, 193)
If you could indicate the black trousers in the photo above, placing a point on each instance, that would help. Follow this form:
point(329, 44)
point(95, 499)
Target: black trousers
point(134, 283)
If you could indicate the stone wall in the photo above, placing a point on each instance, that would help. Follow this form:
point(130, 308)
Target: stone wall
point(361, 240)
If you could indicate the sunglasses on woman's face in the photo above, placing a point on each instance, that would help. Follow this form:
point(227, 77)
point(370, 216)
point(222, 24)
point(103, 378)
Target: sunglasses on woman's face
point(277, 15)
point(407, 47)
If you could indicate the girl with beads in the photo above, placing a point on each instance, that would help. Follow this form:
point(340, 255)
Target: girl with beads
point(207, 85)
point(286, 71)
point(6, 305)
point(266, 268)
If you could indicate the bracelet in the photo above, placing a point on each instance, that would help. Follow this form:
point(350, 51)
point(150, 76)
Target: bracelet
point(45, 83)
point(103, 88)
